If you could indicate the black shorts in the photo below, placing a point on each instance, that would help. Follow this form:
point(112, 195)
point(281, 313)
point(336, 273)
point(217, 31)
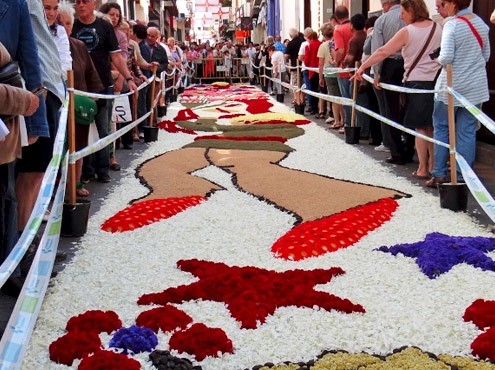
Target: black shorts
point(419, 107)
point(36, 157)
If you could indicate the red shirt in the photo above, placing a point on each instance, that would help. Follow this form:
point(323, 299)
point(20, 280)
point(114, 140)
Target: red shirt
point(342, 36)
point(311, 56)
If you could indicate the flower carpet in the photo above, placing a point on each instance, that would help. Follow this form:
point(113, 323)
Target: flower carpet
point(248, 237)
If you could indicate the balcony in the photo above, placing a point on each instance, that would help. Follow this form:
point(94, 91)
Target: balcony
point(171, 7)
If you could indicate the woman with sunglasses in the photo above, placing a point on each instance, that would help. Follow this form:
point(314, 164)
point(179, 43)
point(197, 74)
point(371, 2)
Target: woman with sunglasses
point(417, 40)
point(466, 46)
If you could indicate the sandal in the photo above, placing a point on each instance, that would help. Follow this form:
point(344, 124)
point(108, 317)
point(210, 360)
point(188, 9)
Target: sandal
point(336, 126)
point(419, 177)
point(434, 181)
point(81, 191)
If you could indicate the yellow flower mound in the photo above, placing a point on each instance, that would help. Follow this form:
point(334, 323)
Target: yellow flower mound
point(466, 363)
point(267, 117)
point(410, 358)
point(220, 84)
point(345, 361)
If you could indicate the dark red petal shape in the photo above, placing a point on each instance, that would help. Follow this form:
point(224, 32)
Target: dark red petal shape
point(185, 115)
point(481, 313)
point(201, 341)
point(94, 321)
point(74, 345)
point(255, 106)
point(329, 234)
point(147, 212)
point(108, 360)
point(167, 318)
point(171, 126)
point(242, 138)
point(484, 345)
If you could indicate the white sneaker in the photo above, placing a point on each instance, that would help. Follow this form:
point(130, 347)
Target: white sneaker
point(329, 120)
point(382, 148)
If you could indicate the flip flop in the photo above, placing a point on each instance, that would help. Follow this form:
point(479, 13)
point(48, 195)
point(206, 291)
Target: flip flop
point(419, 177)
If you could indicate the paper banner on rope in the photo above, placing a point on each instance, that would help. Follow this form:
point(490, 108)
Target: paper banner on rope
point(121, 110)
point(478, 190)
point(475, 111)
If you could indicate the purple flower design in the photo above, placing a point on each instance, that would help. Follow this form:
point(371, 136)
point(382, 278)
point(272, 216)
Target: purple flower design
point(134, 339)
point(438, 253)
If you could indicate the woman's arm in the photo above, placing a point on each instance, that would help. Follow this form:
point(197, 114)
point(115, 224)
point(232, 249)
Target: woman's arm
point(395, 44)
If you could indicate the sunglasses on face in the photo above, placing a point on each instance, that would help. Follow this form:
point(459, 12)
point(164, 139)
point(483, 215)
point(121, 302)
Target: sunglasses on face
point(85, 2)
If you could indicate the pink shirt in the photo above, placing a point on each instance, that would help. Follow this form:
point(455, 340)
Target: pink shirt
point(426, 69)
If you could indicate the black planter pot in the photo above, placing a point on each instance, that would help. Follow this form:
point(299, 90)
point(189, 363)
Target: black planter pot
point(453, 196)
point(280, 98)
point(173, 98)
point(150, 134)
point(162, 110)
point(352, 134)
point(299, 108)
point(75, 218)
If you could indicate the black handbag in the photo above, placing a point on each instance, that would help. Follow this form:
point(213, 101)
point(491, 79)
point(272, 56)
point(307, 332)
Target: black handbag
point(10, 75)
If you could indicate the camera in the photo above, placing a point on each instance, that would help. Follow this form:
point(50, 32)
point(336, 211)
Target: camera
point(434, 54)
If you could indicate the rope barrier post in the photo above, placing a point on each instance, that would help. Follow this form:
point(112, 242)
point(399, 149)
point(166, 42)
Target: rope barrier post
point(297, 93)
point(71, 138)
point(452, 138)
point(354, 98)
point(152, 108)
point(134, 105)
point(265, 82)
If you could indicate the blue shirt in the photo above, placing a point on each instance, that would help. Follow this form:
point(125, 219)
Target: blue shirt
point(16, 34)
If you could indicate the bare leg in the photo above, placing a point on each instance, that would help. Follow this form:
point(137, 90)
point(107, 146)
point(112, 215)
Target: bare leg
point(178, 182)
point(307, 195)
point(423, 148)
point(338, 114)
point(27, 187)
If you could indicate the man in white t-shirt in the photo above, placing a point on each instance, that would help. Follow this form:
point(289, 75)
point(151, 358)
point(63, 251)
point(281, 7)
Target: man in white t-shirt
point(278, 64)
point(302, 51)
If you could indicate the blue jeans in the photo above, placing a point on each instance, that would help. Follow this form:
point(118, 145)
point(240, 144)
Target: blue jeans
point(466, 125)
point(345, 91)
point(307, 82)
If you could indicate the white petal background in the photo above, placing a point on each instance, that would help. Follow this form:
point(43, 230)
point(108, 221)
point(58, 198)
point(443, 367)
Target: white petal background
point(403, 306)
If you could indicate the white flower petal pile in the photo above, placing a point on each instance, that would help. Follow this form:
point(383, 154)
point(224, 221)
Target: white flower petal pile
point(403, 306)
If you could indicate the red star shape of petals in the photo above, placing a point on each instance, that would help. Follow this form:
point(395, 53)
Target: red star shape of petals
point(252, 294)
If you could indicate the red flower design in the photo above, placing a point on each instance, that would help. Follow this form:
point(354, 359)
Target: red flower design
point(329, 234)
point(107, 360)
point(234, 115)
point(201, 341)
point(297, 122)
point(74, 345)
point(222, 110)
point(251, 294)
point(96, 321)
point(171, 126)
point(481, 313)
point(167, 318)
point(147, 212)
point(484, 345)
point(185, 115)
point(242, 138)
point(255, 106)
